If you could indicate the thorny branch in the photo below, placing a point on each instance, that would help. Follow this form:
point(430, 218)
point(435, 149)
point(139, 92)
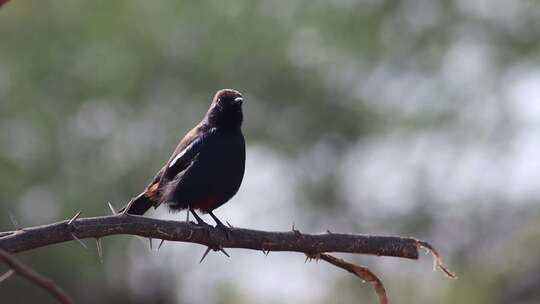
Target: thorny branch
point(34, 277)
point(313, 245)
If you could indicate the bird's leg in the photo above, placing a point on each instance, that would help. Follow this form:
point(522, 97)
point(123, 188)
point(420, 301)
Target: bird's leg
point(197, 217)
point(220, 225)
point(201, 222)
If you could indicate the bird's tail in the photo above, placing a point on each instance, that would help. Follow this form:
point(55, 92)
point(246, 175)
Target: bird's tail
point(138, 205)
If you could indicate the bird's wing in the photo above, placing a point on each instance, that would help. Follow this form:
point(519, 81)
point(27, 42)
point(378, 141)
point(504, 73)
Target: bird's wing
point(184, 154)
point(184, 157)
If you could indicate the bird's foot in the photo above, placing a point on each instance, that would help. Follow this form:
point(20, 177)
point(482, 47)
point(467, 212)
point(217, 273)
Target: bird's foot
point(219, 225)
point(226, 230)
point(199, 220)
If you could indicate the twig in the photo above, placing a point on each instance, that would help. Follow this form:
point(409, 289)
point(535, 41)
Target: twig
point(34, 277)
point(360, 271)
point(437, 260)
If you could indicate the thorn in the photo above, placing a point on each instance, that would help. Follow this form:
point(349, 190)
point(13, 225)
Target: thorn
point(224, 252)
point(6, 275)
point(99, 250)
point(74, 218)
point(230, 226)
point(264, 249)
point(205, 254)
point(112, 208)
point(296, 232)
point(79, 241)
point(161, 243)
point(125, 212)
point(150, 240)
point(14, 221)
point(312, 256)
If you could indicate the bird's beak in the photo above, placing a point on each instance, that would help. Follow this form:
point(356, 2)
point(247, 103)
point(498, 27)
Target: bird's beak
point(238, 100)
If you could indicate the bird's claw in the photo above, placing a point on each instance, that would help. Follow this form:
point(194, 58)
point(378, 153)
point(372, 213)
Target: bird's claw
point(221, 226)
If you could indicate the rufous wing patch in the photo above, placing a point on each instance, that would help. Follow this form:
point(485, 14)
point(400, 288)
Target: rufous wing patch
point(153, 193)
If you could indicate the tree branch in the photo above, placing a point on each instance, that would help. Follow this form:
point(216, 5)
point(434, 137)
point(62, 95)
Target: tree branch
point(98, 227)
point(34, 277)
point(313, 245)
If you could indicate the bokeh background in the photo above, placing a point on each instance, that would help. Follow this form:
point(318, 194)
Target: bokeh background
point(416, 118)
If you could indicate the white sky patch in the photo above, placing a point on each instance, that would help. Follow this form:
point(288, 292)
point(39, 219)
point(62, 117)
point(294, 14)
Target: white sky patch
point(377, 173)
point(386, 173)
point(523, 180)
point(465, 63)
point(421, 14)
point(524, 96)
point(401, 92)
point(504, 13)
point(38, 206)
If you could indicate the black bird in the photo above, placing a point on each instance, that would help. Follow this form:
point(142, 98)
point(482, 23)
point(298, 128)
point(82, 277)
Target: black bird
point(207, 166)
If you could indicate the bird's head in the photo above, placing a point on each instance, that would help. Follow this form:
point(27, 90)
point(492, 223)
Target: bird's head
point(226, 109)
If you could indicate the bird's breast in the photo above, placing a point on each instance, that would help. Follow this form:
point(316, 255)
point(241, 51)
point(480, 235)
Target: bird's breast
point(224, 160)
